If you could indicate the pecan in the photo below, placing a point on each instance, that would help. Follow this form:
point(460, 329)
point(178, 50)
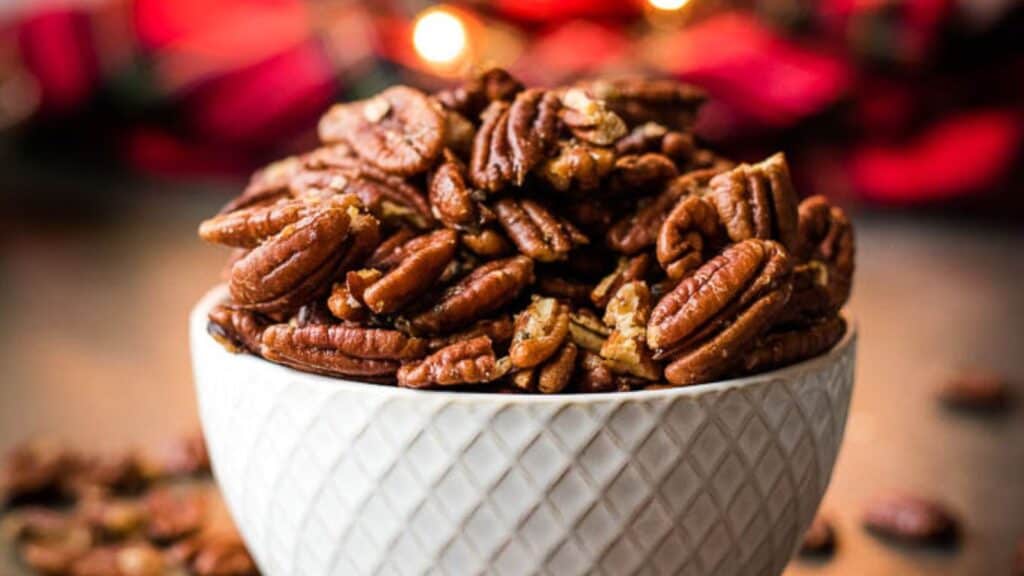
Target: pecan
point(458, 133)
point(626, 347)
point(384, 195)
point(400, 130)
point(646, 137)
point(346, 299)
point(589, 119)
point(297, 264)
point(781, 348)
point(174, 513)
point(688, 236)
point(819, 539)
point(564, 289)
point(500, 330)
point(826, 237)
point(587, 331)
point(220, 555)
point(979, 390)
point(483, 291)
point(452, 200)
point(466, 362)
point(315, 312)
point(425, 258)
point(540, 330)
point(594, 374)
point(340, 349)
point(639, 230)
point(627, 270)
point(635, 173)
point(577, 166)
point(33, 470)
point(475, 94)
point(537, 232)
point(757, 201)
point(136, 559)
point(111, 518)
point(487, 243)
point(267, 185)
point(713, 314)
point(911, 520)
point(235, 329)
point(640, 100)
point(248, 227)
point(514, 138)
point(554, 375)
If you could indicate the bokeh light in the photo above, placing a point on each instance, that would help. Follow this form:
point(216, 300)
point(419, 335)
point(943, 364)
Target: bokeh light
point(439, 36)
point(668, 4)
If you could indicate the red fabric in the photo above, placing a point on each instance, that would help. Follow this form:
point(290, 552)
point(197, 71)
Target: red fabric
point(552, 10)
point(57, 48)
point(576, 48)
point(157, 152)
point(958, 154)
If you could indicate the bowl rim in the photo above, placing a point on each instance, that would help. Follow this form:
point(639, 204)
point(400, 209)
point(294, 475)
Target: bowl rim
point(200, 337)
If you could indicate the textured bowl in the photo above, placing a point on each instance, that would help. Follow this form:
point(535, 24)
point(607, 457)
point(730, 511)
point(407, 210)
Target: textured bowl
point(327, 476)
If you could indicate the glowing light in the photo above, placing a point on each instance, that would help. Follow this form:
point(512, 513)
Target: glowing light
point(439, 36)
point(668, 4)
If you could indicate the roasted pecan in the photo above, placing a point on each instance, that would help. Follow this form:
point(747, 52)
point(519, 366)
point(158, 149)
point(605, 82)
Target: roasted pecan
point(400, 130)
point(483, 291)
point(554, 375)
point(384, 195)
point(627, 270)
point(346, 299)
point(826, 244)
point(641, 100)
point(425, 259)
point(577, 166)
point(626, 347)
point(174, 512)
point(711, 316)
point(314, 312)
point(688, 236)
point(757, 201)
point(466, 362)
point(589, 119)
point(643, 138)
point(819, 539)
point(514, 138)
point(636, 173)
point(975, 389)
point(473, 95)
point(487, 243)
point(500, 330)
point(235, 329)
point(639, 230)
point(33, 470)
point(781, 348)
point(458, 133)
point(135, 559)
point(111, 518)
point(452, 200)
point(594, 373)
point(267, 184)
point(587, 331)
point(340, 349)
point(248, 227)
point(537, 232)
point(564, 289)
point(298, 263)
point(911, 520)
point(540, 330)
point(490, 165)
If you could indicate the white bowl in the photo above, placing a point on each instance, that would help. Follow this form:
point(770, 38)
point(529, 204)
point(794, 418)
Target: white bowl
point(328, 476)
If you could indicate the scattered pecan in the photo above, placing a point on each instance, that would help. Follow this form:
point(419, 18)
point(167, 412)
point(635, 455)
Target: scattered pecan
point(483, 291)
point(400, 130)
point(452, 200)
point(589, 119)
point(112, 518)
point(627, 270)
point(33, 470)
point(975, 389)
point(537, 232)
point(911, 520)
point(340, 349)
point(424, 260)
point(825, 241)
point(473, 95)
point(757, 201)
point(711, 316)
point(577, 166)
point(819, 539)
point(626, 347)
point(781, 348)
point(487, 243)
point(174, 513)
point(540, 330)
point(235, 329)
point(688, 236)
point(466, 362)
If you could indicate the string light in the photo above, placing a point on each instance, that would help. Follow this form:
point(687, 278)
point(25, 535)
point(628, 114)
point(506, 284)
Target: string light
point(439, 36)
point(668, 5)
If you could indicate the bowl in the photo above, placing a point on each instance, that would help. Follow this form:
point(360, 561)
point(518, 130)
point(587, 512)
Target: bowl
point(329, 476)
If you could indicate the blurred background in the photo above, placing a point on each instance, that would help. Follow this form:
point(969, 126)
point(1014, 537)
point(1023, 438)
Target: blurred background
point(123, 123)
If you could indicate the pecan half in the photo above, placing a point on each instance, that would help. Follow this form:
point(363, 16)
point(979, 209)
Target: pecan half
point(235, 329)
point(641, 100)
point(757, 201)
point(490, 165)
point(500, 330)
point(452, 200)
point(626, 347)
point(587, 331)
point(483, 291)
point(564, 289)
point(466, 362)
point(487, 243)
point(298, 263)
point(340, 350)
point(267, 185)
point(826, 245)
point(536, 231)
point(589, 119)
point(688, 236)
point(400, 130)
point(711, 316)
point(514, 138)
point(540, 330)
point(594, 374)
point(637, 173)
point(781, 348)
point(556, 373)
point(577, 166)
point(248, 227)
point(627, 270)
point(425, 259)
point(386, 196)
point(174, 513)
point(473, 95)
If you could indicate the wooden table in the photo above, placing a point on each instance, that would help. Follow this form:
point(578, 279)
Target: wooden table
point(94, 350)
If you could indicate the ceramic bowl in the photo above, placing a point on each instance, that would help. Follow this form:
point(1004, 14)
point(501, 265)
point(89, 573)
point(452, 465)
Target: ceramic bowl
point(328, 476)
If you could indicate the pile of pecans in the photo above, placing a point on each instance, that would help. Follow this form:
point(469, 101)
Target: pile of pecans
point(130, 514)
point(500, 238)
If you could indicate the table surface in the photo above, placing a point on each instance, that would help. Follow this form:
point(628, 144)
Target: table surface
point(94, 350)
